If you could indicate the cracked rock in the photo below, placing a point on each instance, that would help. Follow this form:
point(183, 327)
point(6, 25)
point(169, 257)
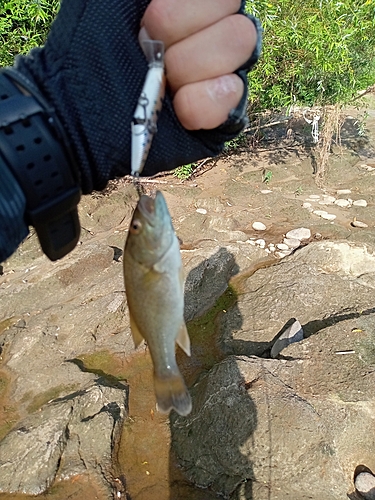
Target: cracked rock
point(76, 434)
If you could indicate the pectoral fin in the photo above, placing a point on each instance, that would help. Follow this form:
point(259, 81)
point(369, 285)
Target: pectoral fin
point(183, 339)
point(137, 337)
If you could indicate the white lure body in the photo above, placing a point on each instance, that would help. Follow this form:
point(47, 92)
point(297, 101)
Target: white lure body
point(144, 124)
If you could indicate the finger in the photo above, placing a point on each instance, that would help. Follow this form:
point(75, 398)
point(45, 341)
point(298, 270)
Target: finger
point(172, 21)
point(207, 104)
point(217, 50)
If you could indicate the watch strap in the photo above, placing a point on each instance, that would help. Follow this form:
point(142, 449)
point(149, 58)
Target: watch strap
point(33, 145)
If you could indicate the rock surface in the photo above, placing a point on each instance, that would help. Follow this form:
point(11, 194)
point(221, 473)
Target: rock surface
point(251, 414)
point(73, 435)
point(54, 317)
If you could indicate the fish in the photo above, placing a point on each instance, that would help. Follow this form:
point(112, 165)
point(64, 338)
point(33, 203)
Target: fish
point(149, 105)
point(154, 287)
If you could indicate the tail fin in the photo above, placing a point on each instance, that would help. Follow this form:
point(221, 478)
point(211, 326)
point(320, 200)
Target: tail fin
point(171, 393)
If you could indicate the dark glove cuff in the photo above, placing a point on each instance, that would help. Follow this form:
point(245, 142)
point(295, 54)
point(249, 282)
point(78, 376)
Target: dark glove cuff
point(34, 147)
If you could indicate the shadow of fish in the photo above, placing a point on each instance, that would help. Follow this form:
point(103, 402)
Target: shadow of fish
point(154, 289)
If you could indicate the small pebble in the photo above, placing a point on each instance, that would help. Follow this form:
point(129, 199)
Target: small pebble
point(327, 200)
point(329, 216)
point(360, 203)
point(281, 255)
point(301, 233)
point(342, 203)
point(320, 212)
point(261, 243)
point(367, 167)
point(202, 211)
point(282, 246)
point(266, 191)
point(259, 226)
point(365, 485)
point(314, 197)
point(306, 205)
point(343, 191)
point(292, 242)
point(358, 223)
point(252, 242)
point(271, 248)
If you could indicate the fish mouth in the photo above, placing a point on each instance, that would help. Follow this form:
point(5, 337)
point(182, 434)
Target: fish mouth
point(146, 206)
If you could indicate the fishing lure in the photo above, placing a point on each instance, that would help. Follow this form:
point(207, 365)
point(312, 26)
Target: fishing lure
point(144, 124)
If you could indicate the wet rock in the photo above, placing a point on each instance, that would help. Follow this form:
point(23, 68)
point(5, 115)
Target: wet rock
point(208, 271)
point(73, 435)
point(301, 233)
point(365, 485)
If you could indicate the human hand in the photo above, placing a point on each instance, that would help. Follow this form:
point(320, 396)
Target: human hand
point(205, 43)
point(91, 70)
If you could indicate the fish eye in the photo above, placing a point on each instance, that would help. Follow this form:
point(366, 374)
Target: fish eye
point(136, 226)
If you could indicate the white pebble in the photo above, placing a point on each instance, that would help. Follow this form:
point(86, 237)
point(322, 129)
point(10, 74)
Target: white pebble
point(292, 242)
point(271, 248)
point(301, 233)
point(328, 216)
point(266, 191)
point(252, 242)
point(327, 200)
point(202, 211)
point(367, 167)
point(281, 255)
point(360, 203)
point(314, 197)
point(259, 226)
point(282, 246)
point(342, 203)
point(321, 213)
point(261, 243)
point(365, 485)
point(306, 205)
point(343, 191)
point(358, 223)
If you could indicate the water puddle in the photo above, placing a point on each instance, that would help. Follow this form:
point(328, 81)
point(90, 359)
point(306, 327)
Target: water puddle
point(144, 455)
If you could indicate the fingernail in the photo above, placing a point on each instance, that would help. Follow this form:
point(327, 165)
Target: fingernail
point(223, 86)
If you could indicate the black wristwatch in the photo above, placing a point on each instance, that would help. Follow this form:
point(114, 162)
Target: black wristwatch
point(34, 147)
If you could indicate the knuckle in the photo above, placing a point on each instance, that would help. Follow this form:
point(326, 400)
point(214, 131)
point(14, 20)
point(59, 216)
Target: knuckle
point(244, 34)
point(159, 18)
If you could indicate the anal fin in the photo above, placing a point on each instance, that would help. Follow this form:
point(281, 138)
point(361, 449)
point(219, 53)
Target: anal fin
point(137, 336)
point(183, 339)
